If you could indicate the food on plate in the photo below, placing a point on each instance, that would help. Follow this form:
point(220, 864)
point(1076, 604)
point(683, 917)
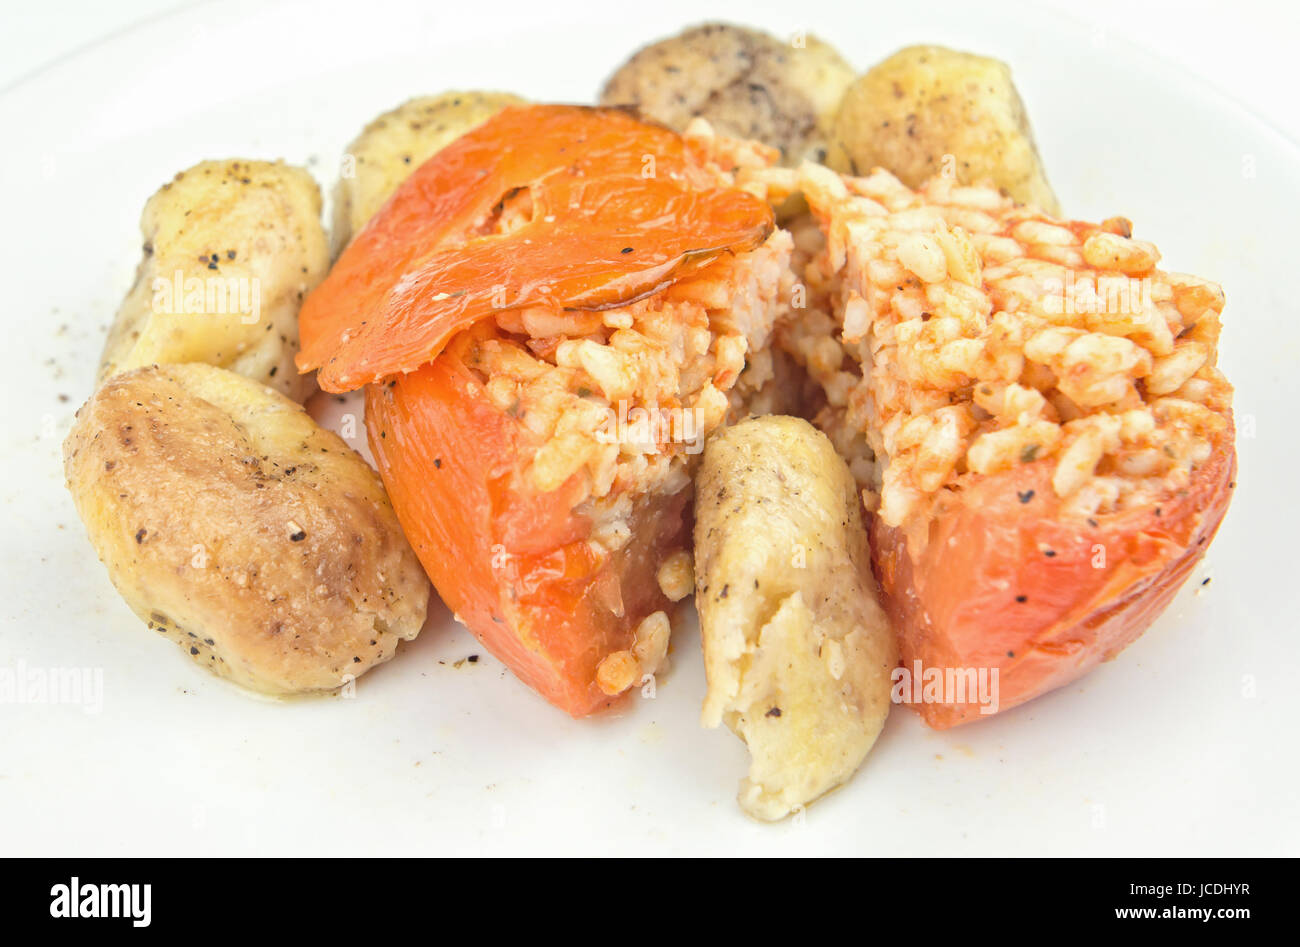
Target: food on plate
point(746, 83)
point(1033, 410)
point(234, 525)
point(927, 110)
point(395, 144)
point(796, 647)
point(547, 331)
point(230, 250)
point(878, 419)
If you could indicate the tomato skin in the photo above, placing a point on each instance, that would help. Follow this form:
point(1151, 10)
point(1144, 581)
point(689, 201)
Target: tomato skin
point(959, 604)
point(512, 563)
point(605, 228)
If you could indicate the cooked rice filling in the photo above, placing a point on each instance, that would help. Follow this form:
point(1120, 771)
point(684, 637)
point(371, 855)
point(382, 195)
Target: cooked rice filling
point(951, 333)
point(625, 397)
point(956, 334)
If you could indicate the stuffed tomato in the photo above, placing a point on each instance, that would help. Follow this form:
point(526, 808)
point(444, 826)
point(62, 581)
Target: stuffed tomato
point(1034, 411)
point(548, 318)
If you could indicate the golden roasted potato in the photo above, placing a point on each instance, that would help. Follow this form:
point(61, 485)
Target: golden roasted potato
point(746, 83)
point(926, 102)
point(797, 650)
point(236, 526)
point(230, 250)
point(398, 142)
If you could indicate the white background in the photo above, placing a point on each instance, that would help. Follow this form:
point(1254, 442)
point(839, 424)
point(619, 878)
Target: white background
point(1247, 48)
point(1182, 746)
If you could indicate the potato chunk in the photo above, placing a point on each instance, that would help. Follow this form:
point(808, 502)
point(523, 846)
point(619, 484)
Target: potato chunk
point(236, 526)
point(927, 102)
point(398, 142)
point(797, 651)
point(746, 83)
point(230, 250)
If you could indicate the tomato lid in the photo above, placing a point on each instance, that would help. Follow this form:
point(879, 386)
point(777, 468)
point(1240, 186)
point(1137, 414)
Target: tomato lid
point(619, 210)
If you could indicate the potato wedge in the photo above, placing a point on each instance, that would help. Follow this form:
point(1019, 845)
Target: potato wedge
point(237, 527)
point(230, 250)
point(746, 83)
point(395, 144)
point(927, 102)
point(797, 650)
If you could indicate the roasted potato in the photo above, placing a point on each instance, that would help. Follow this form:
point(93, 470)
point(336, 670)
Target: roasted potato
point(924, 103)
point(398, 142)
point(746, 83)
point(230, 250)
point(797, 651)
point(236, 526)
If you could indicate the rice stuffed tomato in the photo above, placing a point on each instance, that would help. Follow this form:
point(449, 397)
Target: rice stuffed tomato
point(1033, 410)
point(524, 297)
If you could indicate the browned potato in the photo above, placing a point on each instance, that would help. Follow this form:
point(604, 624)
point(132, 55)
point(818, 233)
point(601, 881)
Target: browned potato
point(398, 142)
point(746, 83)
point(236, 526)
point(230, 250)
point(927, 102)
point(797, 650)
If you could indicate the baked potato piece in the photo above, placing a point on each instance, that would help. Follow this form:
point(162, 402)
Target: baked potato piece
point(746, 83)
point(925, 102)
point(797, 650)
point(398, 142)
point(230, 250)
point(237, 527)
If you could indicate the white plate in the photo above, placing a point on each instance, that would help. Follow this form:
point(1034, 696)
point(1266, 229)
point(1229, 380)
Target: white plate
point(1178, 747)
